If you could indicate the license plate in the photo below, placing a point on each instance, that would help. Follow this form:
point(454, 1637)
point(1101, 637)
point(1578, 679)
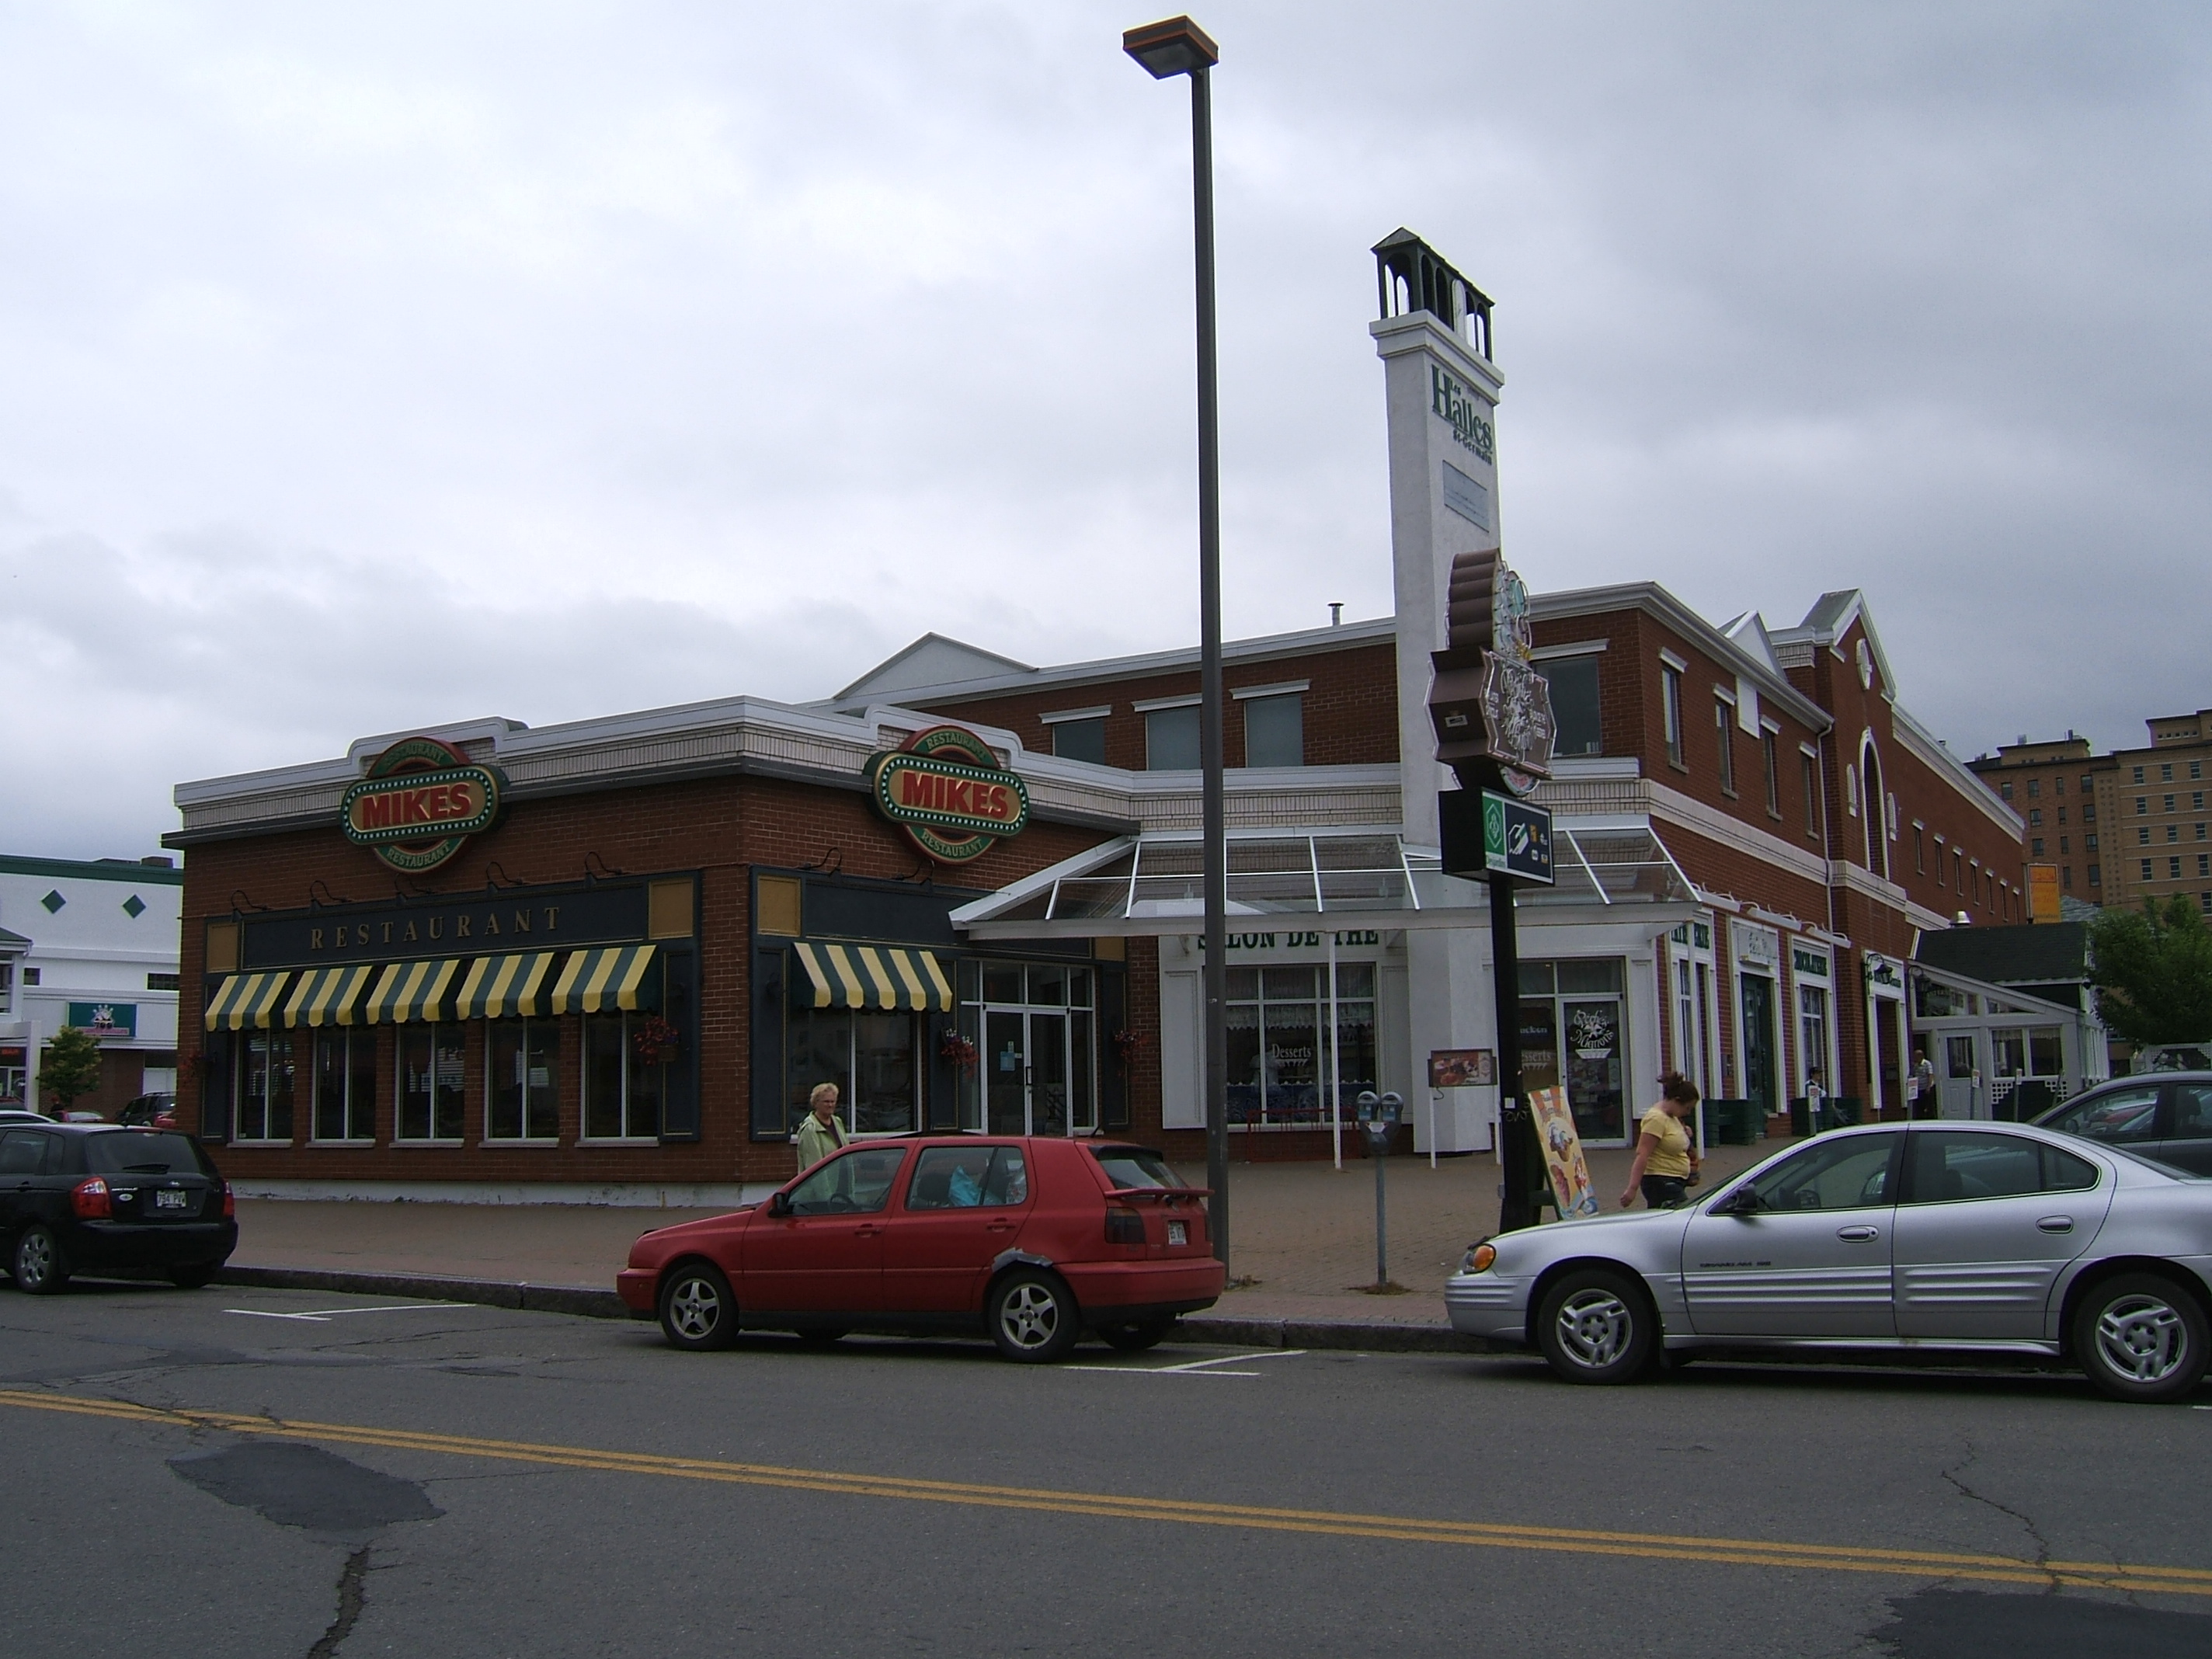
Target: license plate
point(172, 1200)
point(1178, 1232)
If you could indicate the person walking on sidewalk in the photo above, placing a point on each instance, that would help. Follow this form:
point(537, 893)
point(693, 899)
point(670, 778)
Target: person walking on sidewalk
point(819, 1131)
point(1665, 1162)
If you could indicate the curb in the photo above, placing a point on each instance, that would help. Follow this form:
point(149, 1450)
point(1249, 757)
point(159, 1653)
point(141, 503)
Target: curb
point(582, 1301)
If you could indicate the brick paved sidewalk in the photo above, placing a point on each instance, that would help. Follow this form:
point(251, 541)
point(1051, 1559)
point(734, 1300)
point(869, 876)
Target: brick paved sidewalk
point(1305, 1232)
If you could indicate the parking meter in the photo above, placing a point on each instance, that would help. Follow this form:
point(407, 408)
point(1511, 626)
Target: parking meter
point(1378, 1117)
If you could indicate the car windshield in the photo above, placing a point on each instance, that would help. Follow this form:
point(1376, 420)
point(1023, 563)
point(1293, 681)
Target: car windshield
point(139, 1152)
point(1135, 1166)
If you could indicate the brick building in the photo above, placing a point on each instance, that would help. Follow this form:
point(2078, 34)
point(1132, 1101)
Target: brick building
point(2054, 786)
point(647, 936)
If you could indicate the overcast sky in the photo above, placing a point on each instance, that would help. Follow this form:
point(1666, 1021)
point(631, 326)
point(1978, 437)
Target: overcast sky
point(364, 366)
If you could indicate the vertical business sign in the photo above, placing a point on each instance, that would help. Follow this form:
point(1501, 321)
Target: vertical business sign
point(1516, 839)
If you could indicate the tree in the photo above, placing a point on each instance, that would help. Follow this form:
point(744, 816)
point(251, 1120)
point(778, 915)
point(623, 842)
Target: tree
point(71, 1065)
point(2153, 971)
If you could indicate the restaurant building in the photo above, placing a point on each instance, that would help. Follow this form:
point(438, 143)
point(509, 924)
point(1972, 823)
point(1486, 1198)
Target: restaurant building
point(608, 960)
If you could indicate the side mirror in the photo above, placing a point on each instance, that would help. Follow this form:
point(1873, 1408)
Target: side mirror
point(780, 1204)
point(1744, 1200)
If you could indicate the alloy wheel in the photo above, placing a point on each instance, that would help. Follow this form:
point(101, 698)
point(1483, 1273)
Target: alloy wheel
point(1595, 1326)
point(2142, 1338)
point(1030, 1317)
point(694, 1308)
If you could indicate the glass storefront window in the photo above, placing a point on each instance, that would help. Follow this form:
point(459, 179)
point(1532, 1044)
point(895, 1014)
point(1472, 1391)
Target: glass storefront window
point(1280, 1051)
point(522, 1098)
point(2044, 1052)
point(1813, 1033)
point(622, 1093)
point(870, 1055)
point(430, 1066)
point(265, 1087)
point(345, 1084)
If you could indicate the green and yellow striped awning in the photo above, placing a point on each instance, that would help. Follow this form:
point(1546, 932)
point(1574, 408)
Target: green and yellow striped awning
point(500, 988)
point(595, 981)
point(874, 976)
point(328, 996)
point(410, 991)
point(246, 999)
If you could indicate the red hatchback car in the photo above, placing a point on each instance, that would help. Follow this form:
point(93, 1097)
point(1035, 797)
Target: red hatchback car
point(1032, 1239)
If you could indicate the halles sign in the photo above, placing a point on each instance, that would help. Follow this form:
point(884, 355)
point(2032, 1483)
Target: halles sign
point(420, 801)
point(946, 789)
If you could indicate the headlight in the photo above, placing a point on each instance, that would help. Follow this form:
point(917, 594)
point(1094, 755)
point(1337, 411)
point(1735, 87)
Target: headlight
point(1477, 1259)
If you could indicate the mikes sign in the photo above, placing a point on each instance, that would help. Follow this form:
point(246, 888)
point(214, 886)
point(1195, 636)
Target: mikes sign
point(946, 789)
point(420, 801)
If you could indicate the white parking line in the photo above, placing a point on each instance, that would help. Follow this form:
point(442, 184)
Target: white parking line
point(1193, 1367)
point(321, 1314)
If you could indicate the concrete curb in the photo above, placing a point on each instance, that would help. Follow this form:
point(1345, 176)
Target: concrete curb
point(582, 1301)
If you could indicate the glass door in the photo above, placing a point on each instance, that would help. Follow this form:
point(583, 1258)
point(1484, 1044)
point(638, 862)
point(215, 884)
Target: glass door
point(1760, 1080)
point(1006, 1072)
point(1036, 1060)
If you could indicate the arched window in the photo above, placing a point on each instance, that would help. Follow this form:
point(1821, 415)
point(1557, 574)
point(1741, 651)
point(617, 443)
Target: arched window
point(1874, 818)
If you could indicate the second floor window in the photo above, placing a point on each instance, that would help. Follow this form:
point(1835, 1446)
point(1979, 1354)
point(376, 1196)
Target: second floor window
point(1670, 705)
point(1275, 730)
point(1082, 740)
point(1573, 681)
point(1172, 739)
point(1725, 720)
point(1812, 797)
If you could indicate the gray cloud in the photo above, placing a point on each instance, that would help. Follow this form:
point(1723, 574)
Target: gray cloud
point(374, 366)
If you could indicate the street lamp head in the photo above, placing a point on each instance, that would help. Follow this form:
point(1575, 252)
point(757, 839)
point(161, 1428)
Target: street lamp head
point(1174, 46)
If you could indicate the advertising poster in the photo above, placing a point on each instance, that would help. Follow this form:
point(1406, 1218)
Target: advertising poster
point(1462, 1068)
point(1563, 1153)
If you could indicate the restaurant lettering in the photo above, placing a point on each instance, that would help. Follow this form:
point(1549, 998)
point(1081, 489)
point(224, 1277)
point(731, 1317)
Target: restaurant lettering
point(562, 918)
point(419, 803)
point(1458, 408)
point(947, 791)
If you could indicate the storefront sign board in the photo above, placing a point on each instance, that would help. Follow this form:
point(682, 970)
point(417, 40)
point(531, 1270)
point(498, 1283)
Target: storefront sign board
point(948, 791)
point(1516, 839)
point(1572, 1190)
point(420, 802)
point(108, 1021)
point(490, 924)
point(1462, 1068)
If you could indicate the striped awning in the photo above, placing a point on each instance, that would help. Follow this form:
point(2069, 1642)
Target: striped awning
point(411, 991)
point(246, 1000)
point(328, 996)
point(874, 976)
point(595, 981)
point(500, 988)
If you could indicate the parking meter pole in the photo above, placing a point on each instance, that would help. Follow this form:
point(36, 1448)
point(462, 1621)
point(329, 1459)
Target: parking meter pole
point(1516, 1129)
point(1377, 1143)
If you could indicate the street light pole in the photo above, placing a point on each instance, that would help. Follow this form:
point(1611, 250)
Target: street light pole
point(1179, 46)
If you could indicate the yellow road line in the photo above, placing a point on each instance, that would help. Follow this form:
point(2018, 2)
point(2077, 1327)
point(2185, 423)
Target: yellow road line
point(1739, 1552)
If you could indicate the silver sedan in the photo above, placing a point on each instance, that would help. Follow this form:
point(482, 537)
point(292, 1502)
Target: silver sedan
point(1996, 1238)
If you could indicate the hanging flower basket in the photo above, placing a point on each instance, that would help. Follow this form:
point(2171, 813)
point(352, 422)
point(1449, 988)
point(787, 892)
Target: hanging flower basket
point(1128, 1045)
point(653, 1040)
point(957, 1049)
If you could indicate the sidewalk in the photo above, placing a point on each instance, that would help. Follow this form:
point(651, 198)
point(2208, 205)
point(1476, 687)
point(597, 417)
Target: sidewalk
point(1302, 1245)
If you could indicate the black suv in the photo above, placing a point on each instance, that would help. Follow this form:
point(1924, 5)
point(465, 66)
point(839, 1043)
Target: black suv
point(100, 1199)
point(2166, 1116)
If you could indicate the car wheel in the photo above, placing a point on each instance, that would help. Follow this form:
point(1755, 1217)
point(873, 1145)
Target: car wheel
point(1136, 1338)
point(192, 1278)
point(1595, 1326)
point(697, 1309)
point(40, 1268)
point(2141, 1338)
point(1033, 1316)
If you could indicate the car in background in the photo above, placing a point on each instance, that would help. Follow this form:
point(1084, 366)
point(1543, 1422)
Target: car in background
point(14, 1114)
point(1982, 1238)
point(157, 1110)
point(2164, 1115)
point(1031, 1240)
point(106, 1201)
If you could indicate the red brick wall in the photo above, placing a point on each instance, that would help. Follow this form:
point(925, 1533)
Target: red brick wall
point(1351, 707)
point(718, 827)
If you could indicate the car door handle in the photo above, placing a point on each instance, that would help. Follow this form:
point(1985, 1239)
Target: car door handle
point(866, 1229)
point(2055, 1223)
point(1858, 1235)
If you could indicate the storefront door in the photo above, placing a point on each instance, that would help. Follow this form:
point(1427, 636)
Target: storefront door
point(1761, 1073)
point(1029, 1084)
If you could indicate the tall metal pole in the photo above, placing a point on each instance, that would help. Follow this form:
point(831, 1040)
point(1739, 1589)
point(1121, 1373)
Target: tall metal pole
point(1516, 1130)
point(1216, 825)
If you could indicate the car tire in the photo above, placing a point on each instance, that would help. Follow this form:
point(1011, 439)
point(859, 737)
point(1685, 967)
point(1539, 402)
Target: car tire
point(1595, 1326)
point(192, 1278)
point(2141, 1338)
point(1033, 1316)
point(1136, 1338)
point(697, 1310)
point(38, 1263)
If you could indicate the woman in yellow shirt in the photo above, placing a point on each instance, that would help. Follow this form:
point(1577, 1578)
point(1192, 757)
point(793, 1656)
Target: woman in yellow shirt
point(1666, 1162)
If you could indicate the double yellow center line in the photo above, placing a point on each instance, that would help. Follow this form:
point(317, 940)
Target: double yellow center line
point(1482, 1534)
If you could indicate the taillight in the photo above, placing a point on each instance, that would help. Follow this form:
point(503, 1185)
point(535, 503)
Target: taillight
point(90, 1200)
point(229, 1200)
point(1124, 1225)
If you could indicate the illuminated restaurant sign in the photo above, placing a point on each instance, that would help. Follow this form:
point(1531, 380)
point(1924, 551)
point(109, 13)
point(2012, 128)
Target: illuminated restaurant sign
point(420, 801)
point(946, 789)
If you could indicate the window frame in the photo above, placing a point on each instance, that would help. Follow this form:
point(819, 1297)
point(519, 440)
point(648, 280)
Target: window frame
point(357, 1103)
point(529, 1027)
point(630, 1063)
point(1670, 712)
point(1724, 743)
point(427, 1031)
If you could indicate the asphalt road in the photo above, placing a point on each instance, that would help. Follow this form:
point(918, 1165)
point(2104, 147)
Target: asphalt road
point(186, 1473)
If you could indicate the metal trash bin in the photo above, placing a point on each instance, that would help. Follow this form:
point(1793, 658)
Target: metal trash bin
point(1740, 1121)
